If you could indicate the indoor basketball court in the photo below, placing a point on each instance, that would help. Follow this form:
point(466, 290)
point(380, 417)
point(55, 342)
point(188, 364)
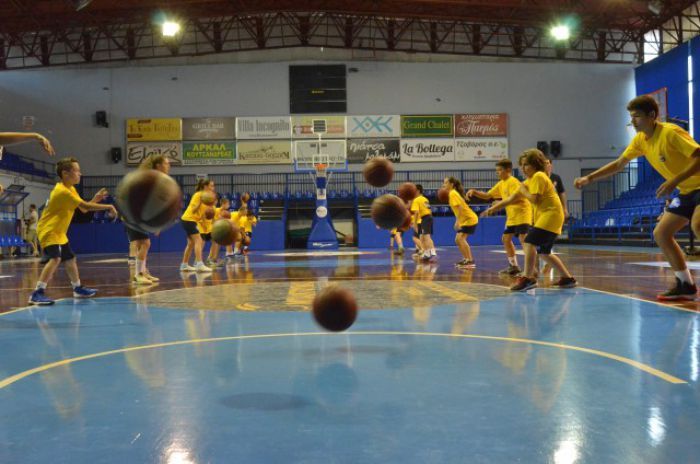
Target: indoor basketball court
point(285, 234)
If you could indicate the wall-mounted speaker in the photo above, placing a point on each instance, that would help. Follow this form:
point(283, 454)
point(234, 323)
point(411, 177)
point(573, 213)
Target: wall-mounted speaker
point(101, 119)
point(555, 148)
point(116, 153)
point(543, 147)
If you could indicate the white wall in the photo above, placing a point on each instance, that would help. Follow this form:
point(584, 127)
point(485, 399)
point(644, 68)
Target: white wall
point(582, 105)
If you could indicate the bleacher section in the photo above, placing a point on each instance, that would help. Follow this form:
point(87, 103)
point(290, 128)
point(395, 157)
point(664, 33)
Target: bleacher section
point(32, 168)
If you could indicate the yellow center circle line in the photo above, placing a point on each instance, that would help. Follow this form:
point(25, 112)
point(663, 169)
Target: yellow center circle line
point(641, 366)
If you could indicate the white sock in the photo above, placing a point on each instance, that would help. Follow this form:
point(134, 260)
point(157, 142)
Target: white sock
point(75, 284)
point(198, 263)
point(513, 260)
point(235, 250)
point(40, 285)
point(432, 252)
point(685, 276)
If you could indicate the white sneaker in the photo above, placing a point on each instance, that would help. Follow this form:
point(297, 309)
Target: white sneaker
point(186, 267)
point(201, 267)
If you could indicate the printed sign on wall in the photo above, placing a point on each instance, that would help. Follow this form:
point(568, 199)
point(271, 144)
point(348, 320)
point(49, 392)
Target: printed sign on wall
point(481, 149)
point(209, 128)
point(440, 125)
point(264, 152)
point(148, 130)
point(264, 128)
point(303, 126)
point(374, 126)
point(137, 152)
point(427, 150)
point(481, 125)
point(208, 153)
point(361, 150)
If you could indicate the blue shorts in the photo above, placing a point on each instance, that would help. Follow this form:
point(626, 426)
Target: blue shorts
point(684, 205)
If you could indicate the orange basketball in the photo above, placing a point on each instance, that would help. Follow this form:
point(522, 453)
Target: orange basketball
point(224, 232)
point(335, 308)
point(408, 191)
point(148, 200)
point(208, 198)
point(443, 195)
point(245, 198)
point(378, 172)
point(209, 213)
point(388, 211)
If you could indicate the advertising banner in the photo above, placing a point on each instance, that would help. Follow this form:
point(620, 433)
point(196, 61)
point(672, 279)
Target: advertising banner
point(481, 125)
point(481, 149)
point(264, 127)
point(208, 153)
point(149, 130)
point(362, 150)
point(303, 126)
point(427, 150)
point(209, 128)
point(264, 152)
point(383, 126)
point(439, 125)
point(137, 152)
point(304, 151)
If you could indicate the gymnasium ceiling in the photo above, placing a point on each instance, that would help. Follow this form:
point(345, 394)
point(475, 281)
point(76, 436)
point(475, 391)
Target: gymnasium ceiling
point(610, 25)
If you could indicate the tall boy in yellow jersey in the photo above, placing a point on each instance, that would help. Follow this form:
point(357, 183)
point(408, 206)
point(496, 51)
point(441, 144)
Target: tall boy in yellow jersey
point(465, 220)
point(518, 213)
point(676, 156)
point(53, 226)
point(549, 219)
point(425, 224)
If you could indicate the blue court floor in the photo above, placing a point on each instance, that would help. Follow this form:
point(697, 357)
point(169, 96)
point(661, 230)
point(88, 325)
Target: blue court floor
point(482, 376)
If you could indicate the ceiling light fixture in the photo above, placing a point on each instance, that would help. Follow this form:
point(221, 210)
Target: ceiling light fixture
point(561, 32)
point(80, 4)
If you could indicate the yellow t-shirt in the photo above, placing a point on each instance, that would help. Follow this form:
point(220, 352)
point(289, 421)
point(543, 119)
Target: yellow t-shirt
point(669, 151)
point(236, 217)
point(549, 214)
point(414, 212)
point(194, 213)
point(423, 206)
point(247, 222)
point(205, 225)
point(217, 213)
point(465, 216)
point(56, 218)
point(518, 212)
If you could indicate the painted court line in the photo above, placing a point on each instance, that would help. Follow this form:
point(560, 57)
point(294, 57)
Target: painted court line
point(630, 362)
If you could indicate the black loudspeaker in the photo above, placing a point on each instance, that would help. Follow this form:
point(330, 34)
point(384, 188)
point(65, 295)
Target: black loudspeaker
point(101, 119)
point(543, 147)
point(116, 153)
point(555, 148)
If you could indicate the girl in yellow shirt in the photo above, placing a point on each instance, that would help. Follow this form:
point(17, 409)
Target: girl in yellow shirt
point(194, 214)
point(465, 221)
point(549, 219)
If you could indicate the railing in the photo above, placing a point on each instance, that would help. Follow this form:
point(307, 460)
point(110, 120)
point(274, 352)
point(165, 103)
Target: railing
point(34, 170)
point(594, 196)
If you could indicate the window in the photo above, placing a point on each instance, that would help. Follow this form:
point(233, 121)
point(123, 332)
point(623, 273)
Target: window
point(652, 44)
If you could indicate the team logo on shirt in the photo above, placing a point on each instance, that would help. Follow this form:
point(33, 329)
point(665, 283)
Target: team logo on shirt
point(675, 203)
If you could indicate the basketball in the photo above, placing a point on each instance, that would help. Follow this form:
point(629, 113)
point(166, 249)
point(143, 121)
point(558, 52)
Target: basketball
point(208, 198)
point(443, 195)
point(148, 200)
point(335, 308)
point(209, 213)
point(225, 214)
point(408, 191)
point(406, 224)
point(224, 232)
point(388, 211)
point(378, 172)
point(245, 198)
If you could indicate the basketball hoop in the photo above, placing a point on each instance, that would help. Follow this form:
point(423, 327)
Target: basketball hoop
point(320, 169)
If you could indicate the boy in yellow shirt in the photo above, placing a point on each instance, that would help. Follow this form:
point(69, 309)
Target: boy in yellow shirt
point(425, 224)
point(465, 221)
point(518, 214)
point(246, 222)
point(549, 219)
point(53, 227)
point(676, 156)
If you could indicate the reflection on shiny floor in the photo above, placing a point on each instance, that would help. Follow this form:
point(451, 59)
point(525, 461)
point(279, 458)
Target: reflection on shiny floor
point(441, 366)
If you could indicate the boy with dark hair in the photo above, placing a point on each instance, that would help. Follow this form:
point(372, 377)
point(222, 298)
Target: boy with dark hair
point(53, 226)
point(518, 213)
point(676, 156)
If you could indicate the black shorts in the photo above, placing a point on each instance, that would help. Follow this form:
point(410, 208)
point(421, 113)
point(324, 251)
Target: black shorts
point(134, 234)
point(519, 229)
point(206, 237)
point(542, 239)
point(249, 234)
point(426, 225)
point(190, 227)
point(57, 251)
point(684, 205)
point(469, 230)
